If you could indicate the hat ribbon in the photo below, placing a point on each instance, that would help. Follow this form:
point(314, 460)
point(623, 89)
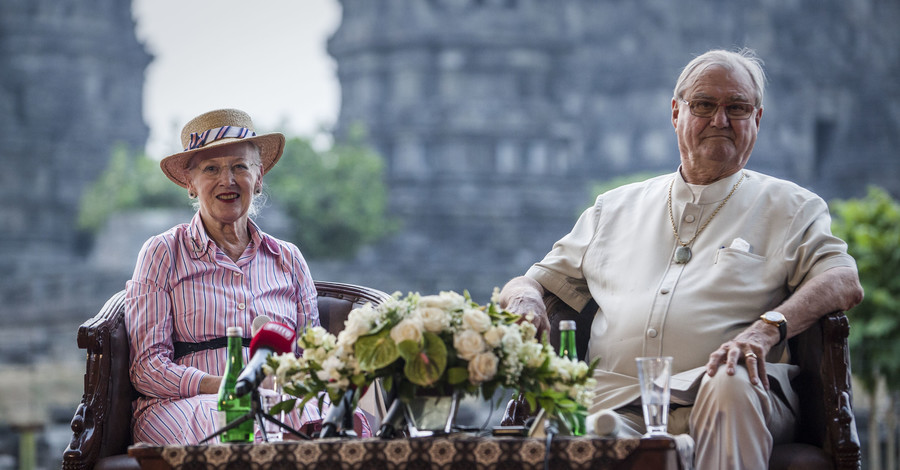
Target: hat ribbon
point(211, 135)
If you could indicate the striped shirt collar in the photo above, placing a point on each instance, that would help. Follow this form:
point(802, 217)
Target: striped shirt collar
point(198, 242)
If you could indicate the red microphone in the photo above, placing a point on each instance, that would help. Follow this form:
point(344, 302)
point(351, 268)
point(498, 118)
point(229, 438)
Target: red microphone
point(272, 338)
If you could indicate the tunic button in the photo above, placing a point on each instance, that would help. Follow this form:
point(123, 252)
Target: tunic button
point(664, 291)
point(242, 306)
point(237, 274)
point(652, 333)
point(688, 218)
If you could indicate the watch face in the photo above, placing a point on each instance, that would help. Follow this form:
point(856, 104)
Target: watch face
point(774, 317)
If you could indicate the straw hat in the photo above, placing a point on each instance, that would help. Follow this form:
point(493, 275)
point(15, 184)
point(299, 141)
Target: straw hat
point(220, 127)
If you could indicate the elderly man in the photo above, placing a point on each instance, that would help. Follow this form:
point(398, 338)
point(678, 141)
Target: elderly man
point(714, 265)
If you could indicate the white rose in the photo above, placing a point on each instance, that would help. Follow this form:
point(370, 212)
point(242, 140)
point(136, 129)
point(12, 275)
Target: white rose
point(347, 337)
point(434, 319)
point(494, 335)
point(409, 329)
point(445, 301)
point(476, 320)
point(358, 323)
point(483, 367)
point(468, 344)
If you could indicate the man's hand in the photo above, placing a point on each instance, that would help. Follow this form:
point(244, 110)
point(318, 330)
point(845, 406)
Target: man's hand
point(835, 289)
point(749, 347)
point(524, 296)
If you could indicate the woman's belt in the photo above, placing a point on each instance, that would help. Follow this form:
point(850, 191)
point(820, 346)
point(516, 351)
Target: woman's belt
point(183, 349)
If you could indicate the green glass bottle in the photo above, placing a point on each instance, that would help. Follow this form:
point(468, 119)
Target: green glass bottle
point(567, 349)
point(230, 407)
point(567, 340)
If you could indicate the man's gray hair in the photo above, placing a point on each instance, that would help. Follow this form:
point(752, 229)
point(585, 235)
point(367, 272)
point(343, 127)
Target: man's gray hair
point(742, 58)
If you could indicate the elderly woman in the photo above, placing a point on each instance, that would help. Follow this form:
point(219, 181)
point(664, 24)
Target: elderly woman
point(197, 279)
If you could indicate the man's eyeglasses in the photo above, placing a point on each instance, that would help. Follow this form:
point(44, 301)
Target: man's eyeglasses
point(706, 109)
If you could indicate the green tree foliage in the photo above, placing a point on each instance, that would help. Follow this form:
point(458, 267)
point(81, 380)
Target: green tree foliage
point(336, 198)
point(129, 181)
point(871, 228)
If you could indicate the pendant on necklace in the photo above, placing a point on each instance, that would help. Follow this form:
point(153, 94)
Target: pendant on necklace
point(682, 254)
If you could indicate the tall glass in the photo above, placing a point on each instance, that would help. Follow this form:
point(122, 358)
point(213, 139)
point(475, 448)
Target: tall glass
point(271, 397)
point(655, 374)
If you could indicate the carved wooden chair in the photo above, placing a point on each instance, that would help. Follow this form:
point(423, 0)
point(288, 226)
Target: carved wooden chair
point(101, 426)
point(826, 434)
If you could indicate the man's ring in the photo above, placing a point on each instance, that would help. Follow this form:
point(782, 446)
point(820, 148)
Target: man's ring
point(750, 354)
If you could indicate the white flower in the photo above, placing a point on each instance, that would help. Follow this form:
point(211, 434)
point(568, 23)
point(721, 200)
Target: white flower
point(434, 319)
point(468, 344)
point(444, 301)
point(408, 329)
point(331, 369)
point(483, 367)
point(531, 354)
point(528, 330)
point(495, 296)
point(494, 335)
point(476, 320)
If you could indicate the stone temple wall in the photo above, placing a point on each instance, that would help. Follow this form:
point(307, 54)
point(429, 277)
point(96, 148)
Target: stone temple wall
point(71, 88)
point(494, 115)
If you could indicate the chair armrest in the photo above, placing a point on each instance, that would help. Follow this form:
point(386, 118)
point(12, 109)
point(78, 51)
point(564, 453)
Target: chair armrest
point(99, 427)
point(826, 415)
point(842, 439)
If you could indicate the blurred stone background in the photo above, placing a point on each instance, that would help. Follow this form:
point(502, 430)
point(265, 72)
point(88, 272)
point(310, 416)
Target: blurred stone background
point(493, 116)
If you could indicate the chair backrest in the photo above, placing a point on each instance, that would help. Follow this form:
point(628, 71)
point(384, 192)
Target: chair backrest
point(336, 300)
point(101, 426)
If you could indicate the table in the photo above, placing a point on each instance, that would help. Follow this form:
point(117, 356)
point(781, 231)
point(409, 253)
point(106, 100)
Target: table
point(449, 452)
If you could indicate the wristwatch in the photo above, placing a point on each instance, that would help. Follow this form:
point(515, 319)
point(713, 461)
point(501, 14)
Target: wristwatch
point(777, 319)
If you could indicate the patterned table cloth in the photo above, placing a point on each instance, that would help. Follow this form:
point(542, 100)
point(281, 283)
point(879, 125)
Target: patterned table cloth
point(462, 452)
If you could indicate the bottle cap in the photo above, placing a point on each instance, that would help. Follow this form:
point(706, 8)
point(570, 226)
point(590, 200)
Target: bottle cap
point(565, 325)
point(234, 331)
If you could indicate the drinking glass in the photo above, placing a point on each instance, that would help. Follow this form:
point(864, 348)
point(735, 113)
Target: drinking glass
point(270, 398)
point(655, 374)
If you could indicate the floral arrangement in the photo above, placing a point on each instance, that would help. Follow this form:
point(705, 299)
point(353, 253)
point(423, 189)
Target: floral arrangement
point(437, 344)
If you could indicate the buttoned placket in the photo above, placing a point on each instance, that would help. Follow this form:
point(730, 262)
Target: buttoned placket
point(688, 224)
point(239, 282)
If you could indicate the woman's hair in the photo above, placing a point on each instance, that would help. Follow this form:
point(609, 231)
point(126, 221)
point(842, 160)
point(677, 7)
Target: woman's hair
point(742, 58)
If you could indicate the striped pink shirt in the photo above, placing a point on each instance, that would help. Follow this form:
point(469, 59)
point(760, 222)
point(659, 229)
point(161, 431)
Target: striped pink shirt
point(185, 288)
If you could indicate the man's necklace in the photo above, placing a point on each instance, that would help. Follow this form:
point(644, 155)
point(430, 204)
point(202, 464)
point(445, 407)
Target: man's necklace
point(683, 253)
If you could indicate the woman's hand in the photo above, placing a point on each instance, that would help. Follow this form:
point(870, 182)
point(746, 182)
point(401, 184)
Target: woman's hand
point(209, 384)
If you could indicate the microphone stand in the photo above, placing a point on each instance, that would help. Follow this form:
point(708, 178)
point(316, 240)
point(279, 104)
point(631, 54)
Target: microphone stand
point(393, 422)
point(340, 418)
point(256, 412)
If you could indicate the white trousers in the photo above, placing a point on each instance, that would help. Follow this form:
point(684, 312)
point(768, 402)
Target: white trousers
point(734, 424)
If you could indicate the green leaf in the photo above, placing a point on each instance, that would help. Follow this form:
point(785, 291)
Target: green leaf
point(457, 375)
point(376, 351)
point(409, 349)
point(286, 405)
point(426, 367)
